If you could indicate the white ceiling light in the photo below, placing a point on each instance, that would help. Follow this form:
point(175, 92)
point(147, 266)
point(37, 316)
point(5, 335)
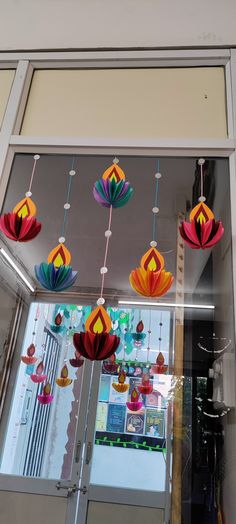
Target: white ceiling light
point(165, 304)
point(16, 269)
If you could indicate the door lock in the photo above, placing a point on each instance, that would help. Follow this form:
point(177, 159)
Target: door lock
point(71, 489)
point(88, 453)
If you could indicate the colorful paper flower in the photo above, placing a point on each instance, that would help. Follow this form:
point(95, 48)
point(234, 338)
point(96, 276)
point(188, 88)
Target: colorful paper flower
point(55, 279)
point(202, 232)
point(29, 358)
point(46, 397)
point(21, 225)
point(96, 343)
point(151, 280)
point(146, 387)
point(38, 376)
point(63, 381)
point(121, 386)
point(160, 367)
point(134, 404)
point(112, 189)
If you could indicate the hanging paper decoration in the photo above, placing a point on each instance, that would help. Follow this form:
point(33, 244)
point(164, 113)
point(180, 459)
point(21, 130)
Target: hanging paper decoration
point(121, 386)
point(146, 387)
point(76, 362)
point(134, 404)
point(202, 232)
point(110, 365)
point(139, 336)
point(160, 367)
point(151, 279)
point(46, 397)
point(57, 274)
point(21, 225)
point(29, 358)
point(112, 189)
point(38, 376)
point(63, 381)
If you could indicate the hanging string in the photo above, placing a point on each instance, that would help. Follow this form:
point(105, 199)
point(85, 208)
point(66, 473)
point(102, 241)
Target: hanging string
point(201, 162)
point(160, 339)
point(104, 269)
point(149, 334)
point(29, 193)
point(67, 203)
point(155, 208)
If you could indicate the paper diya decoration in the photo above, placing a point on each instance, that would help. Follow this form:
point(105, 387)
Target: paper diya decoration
point(110, 365)
point(77, 361)
point(46, 397)
point(112, 189)
point(96, 343)
point(121, 386)
point(21, 225)
point(63, 381)
point(202, 231)
point(29, 358)
point(134, 404)
point(146, 387)
point(38, 376)
point(151, 279)
point(139, 336)
point(160, 367)
point(57, 275)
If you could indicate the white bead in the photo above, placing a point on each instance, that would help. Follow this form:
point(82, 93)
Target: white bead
point(72, 172)
point(115, 160)
point(28, 194)
point(201, 161)
point(100, 301)
point(67, 205)
point(158, 175)
point(155, 209)
point(108, 233)
point(61, 240)
point(201, 199)
point(103, 270)
point(36, 157)
point(153, 243)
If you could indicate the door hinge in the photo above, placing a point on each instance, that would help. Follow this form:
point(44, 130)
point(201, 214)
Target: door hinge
point(71, 489)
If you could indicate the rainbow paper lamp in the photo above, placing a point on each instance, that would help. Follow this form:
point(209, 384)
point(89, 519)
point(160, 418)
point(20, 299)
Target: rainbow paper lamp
point(151, 279)
point(56, 275)
point(112, 189)
point(202, 232)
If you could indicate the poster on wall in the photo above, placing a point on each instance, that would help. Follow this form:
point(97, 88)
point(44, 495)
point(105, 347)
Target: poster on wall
point(116, 418)
point(104, 389)
point(155, 423)
point(101, 420)
point(135, 422)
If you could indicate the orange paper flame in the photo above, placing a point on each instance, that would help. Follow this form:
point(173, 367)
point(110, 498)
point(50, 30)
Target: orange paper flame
point(39, 369)
point(152, 260)
point(98, 321)
point(201, 213)
point(59, 256)
point(114, 172)
point(31, 350)
point(64, 371)
point(47, 389)
point(134, 395)
point(25, 208)
point(160, 359)
point(122, 377)
point(139, 327)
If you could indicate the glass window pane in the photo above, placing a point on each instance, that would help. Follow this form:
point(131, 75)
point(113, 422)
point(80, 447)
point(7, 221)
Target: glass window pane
point(6, 79)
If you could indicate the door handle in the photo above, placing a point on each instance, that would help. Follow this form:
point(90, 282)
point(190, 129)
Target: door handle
point(77, 452)
point(88, 453)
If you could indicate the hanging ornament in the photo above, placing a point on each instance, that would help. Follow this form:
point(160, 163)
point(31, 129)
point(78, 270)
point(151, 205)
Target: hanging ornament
point(134, 404)
point(46, 397)
point(63, 381)
point(112, 189)
point(76, 362)
point(202, 231)
point(29, 358)
point(139, 336)
point(21, 225)
point(146, 387)
point(57, 274)
point(160, 367)
point(38, 376)
point(121, 386)
point(110, 365)
point(151, 279)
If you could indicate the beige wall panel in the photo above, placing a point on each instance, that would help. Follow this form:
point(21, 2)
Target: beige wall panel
point(140, 103)
point(104, 513)
point(6, 79)
point(22, 508)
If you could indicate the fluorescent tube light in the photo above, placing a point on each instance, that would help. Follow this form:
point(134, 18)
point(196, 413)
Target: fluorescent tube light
point(165, 304)
point(16, 269)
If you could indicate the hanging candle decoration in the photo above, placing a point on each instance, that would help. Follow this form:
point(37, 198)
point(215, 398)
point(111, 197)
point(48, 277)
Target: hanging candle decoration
point(135, 404)
point(202, 232)
point(63, 381)
point(38, 376)
point(46, 397)
point(57, 274)
point(112, 190)
point(21, 225)
point(146, 387)
point(110, 365)
point(77, 361)
point(121, 386)
point(29, 358)
point(151, 279)
point(159, 367)
point(139, 336)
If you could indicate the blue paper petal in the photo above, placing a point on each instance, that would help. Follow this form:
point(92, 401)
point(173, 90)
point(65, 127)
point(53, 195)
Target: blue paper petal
point(55, 279)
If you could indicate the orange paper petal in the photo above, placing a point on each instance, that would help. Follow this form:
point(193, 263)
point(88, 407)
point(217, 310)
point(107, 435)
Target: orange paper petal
point(114, 172)
point(25, 208)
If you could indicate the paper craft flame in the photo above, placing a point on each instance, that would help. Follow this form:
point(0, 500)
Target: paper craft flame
point(114, 172)
point(146, 387)
point(46, 397)
point(59, 256)
point(152, 260)
point(29, 359)
point(202, 232)
point(18, 228)
point(121, 386)
point(160, 367)
point(25, 208)
point(134, 404)
point(151, 279)
point(140, 327)
point(58, 319)
point(96, 346)
point(63, 381)
point(38, 376)
point(98, 321)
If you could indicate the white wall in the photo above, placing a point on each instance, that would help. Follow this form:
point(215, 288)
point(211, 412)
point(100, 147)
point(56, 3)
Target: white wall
point(64, 24)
